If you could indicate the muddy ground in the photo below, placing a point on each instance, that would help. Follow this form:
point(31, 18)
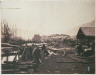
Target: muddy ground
point(68, 63)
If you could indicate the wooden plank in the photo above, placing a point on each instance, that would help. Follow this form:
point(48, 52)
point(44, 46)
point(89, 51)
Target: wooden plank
point(21, 72)
point(76, 62)
point(9, 66)
point(9, 71)
point(23, 67)
point(10, 62)
point(26, 63)
point(9, 54)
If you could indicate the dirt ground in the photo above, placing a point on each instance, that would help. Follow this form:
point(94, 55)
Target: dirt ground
point(69, 63)
point(62, 62)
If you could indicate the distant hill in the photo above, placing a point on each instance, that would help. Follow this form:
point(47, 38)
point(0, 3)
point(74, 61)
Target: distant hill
point(73, 32)
point(55, 36)
point(90, 24)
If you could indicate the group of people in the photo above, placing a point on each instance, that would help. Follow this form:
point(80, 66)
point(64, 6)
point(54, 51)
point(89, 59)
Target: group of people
point(80, 49)
point(34, 53)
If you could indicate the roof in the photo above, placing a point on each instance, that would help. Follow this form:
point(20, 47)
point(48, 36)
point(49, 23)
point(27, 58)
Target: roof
point(88, 31)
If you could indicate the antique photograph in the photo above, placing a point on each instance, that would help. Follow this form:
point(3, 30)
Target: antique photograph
point(47, 36)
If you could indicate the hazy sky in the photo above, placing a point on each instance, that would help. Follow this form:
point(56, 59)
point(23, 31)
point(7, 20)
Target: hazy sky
point(47, 17)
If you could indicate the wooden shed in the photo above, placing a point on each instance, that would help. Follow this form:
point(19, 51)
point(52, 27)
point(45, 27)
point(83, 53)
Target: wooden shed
point(86, 33)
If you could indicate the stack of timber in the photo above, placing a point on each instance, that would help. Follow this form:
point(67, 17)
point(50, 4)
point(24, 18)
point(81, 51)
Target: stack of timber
point(17, 67)
point(9, 68)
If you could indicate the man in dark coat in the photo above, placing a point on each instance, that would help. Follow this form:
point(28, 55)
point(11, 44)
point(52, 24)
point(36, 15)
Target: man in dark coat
point(80, 49)
point(93, 47)
point(44, 49)
point(36, 56)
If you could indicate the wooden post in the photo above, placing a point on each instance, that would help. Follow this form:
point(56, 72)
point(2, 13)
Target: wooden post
point(7, 58)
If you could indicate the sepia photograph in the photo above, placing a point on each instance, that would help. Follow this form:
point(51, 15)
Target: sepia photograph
point(47, 36)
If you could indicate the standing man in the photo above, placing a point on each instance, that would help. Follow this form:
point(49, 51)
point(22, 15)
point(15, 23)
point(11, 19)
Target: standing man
point(43, 52)
point(80, 49)
point(30, 51)
point(93, 47)
point(36, 56)
point(44, 49)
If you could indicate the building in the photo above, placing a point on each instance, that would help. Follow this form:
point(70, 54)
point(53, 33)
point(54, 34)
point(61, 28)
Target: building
point(86, 34)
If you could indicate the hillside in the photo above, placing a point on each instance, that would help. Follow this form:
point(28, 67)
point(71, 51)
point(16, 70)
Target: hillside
point(73, 32)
